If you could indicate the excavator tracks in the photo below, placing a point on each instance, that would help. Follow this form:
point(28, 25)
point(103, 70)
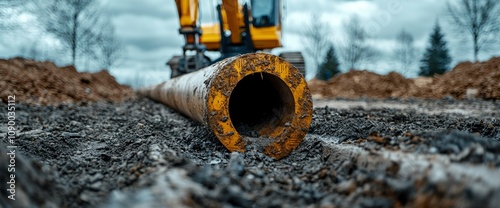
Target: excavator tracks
point(296, 59)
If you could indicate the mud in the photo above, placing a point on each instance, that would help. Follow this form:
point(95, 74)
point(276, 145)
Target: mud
point(143, 154)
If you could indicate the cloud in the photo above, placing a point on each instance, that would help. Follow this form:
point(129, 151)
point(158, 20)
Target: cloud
point(164, 9)
point(147, 33)
point(149, 28)
point(394, 15)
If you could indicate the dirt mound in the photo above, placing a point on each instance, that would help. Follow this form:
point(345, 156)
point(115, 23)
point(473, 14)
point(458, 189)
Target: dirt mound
point(46, 84)
point(356, 84)
point(466, 80)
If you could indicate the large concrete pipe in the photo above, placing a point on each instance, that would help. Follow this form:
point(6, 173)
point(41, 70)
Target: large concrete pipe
point(258, 98)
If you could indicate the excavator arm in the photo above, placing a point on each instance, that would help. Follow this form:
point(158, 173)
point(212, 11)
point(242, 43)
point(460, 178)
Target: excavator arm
point(188, 18)
point(233, 16)
point(188, 11)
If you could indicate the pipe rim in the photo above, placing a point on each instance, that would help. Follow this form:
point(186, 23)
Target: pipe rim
point(285, 138)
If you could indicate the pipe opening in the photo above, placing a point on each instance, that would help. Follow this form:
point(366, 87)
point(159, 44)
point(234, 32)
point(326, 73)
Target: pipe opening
point(259, 104)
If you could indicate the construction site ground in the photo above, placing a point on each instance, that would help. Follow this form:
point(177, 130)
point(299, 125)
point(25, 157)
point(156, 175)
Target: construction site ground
point(360, 152)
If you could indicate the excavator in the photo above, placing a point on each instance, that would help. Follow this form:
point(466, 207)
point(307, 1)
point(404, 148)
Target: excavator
point(241, 28)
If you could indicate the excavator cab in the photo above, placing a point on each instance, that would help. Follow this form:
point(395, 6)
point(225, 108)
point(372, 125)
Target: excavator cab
point(265, 13)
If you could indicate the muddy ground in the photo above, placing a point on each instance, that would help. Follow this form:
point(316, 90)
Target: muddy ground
point(358, 153)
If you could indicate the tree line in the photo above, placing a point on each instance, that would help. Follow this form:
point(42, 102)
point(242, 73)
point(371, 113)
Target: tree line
point(478, 21)
point(84, 31)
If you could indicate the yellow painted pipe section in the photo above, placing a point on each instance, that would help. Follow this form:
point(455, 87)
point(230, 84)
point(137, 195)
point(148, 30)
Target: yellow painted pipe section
point(242, 96)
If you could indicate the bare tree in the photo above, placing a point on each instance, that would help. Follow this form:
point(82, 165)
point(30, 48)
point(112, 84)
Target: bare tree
point(405, 51)
point(75, 23)
point(110, 49)
point(478, 18)
point(316, 40)
point(356, 49)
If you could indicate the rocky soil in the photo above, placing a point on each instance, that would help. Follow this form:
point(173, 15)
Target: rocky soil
point(83, 140)
point(143, 154)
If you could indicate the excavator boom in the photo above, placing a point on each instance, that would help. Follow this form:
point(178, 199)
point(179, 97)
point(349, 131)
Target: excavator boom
point(231, 7)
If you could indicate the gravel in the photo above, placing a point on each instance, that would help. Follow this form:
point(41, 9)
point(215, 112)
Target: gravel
point(143, 154)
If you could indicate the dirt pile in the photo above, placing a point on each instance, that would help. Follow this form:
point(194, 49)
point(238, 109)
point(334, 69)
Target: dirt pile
point(46, 84)
point(466, 80)
point(362, 83)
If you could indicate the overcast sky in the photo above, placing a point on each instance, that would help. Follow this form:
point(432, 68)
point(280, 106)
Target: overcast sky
point(149, 29)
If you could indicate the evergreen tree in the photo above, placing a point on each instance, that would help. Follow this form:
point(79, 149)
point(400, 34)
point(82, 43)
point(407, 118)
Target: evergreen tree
point(330, 65)
point(436, 59)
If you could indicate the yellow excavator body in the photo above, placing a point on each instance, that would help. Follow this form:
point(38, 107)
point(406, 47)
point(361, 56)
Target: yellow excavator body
point(262, 38)
point(242, 28)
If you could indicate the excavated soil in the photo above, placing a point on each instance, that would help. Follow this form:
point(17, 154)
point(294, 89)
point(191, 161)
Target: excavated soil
point(466, 80)
point(46, 84)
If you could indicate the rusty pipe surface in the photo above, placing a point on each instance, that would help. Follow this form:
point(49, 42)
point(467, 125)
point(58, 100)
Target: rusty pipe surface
point(253, 98)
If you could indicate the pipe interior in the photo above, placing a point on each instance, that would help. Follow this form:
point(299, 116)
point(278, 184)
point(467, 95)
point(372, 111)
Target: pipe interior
point(260, 103)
